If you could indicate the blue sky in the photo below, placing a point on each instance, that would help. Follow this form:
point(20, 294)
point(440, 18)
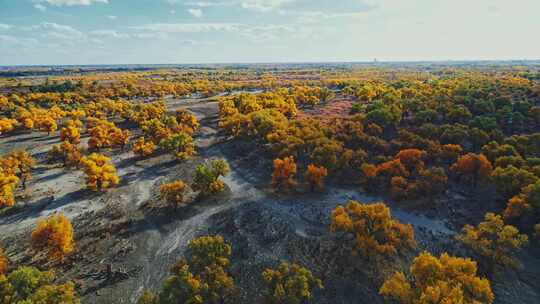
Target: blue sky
point(193, 31)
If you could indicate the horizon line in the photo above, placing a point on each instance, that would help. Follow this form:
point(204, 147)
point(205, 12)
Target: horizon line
point(375, 61)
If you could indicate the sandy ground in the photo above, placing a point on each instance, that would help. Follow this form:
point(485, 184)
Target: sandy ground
point(116, 229)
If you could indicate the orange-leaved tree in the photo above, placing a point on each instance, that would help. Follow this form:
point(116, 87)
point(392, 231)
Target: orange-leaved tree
point(284, 173)
point(472, 166)
point(527, 201)
point(3, 262)
point(411, 158)
point(120, 137)
point(315, 176)
point(54, 235)
point(446, 279)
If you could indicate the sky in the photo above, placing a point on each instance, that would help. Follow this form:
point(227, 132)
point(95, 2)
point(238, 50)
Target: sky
point(47, 32)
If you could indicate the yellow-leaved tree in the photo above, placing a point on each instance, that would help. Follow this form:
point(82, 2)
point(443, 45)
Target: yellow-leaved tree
point(445, 279)
point(173, 192)
point(494, 241)
point(7, 125)
point(54, 234)
point(8, 182)
point(188, 121)
point(19, 163)
point(71, 134)
point(143, 148)
point(375, 231)
point(68, 153)
point(100, 172)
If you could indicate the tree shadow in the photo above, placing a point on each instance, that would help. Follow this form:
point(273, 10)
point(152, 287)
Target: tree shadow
point(17, 140)
point(49, 177)
point(164, 219)
point(48, 138)
point(149, 172)
point(33, 211)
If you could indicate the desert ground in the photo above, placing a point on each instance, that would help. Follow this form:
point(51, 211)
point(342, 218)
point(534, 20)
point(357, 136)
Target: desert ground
point(128, 242)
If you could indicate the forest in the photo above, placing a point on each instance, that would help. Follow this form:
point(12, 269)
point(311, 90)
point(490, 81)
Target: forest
point(289, 183)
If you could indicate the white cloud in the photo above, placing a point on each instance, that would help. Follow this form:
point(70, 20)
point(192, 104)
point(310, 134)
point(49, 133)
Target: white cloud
point(188, 27)
point(208, 3)
point(154, 35)
point(314, 17)
point(17, 41)
point(190, 43)
point(255, 33)
point(195, 12)
point(267, 32)
point(58, 31)
point(109, 34)
point(264, 5)
point(5, 27)
point(70, 2)
point(112, 17)
point(257, 5)
point(40, 7)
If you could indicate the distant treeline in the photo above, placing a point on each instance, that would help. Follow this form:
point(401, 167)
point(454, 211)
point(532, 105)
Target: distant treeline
point(56, 87)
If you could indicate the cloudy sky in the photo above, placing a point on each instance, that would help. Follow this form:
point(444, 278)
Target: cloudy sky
point(193, 31)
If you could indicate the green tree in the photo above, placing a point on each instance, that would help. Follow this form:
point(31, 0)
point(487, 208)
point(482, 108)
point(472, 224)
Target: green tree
point(207, 176)
point(30, 285)
point(290, 283)
point(180, 145)
point(510, 180)
point(148, 297)
point(203, 277)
